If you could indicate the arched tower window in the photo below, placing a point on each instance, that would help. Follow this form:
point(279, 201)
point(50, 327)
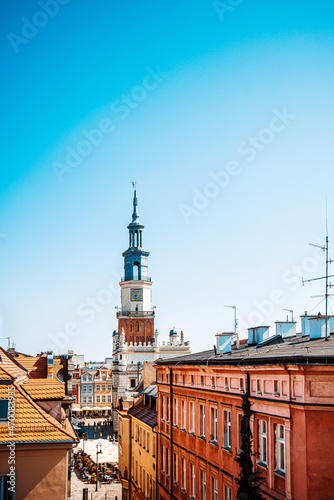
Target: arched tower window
point(136, 271)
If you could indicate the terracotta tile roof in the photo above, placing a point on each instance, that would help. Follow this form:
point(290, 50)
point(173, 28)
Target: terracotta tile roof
point(145, 414)
point(32, 424)
point(10, 364)
point(44, 389)
point(4, 375)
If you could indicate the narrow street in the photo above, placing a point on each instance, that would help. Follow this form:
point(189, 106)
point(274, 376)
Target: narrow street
point(111, 491)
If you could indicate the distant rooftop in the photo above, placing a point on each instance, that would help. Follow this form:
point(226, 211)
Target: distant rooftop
point(275, 350)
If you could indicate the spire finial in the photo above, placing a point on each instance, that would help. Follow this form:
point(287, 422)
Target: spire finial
point(135, 215)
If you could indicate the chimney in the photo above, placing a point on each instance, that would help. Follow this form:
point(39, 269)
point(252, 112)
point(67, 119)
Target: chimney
point(49, 367)
point(224, 342)
point(286, 328)
point(317, 326)
point(257, 334)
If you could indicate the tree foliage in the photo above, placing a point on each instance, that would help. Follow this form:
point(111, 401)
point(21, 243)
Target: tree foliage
point(249, 480)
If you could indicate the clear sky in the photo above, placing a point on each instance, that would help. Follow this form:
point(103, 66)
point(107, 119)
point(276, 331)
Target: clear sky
point(223, 112)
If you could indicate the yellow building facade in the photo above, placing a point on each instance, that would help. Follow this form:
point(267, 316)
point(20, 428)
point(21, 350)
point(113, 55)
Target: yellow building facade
point(138, 448)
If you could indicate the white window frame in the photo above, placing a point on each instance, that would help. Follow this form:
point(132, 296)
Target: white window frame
point(184, 474)
point(214, 424)
point(192, 417)
point(227, 429)
point(183, 414)
point(263, 441)
point(280, 448)
point(227, 493)
point(203, 484)
point(202, 420)
point(192, 480)
point(214, 488)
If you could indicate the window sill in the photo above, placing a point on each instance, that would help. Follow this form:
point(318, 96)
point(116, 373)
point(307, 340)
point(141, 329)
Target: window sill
point(227, 449)
point(192, 434)
point(262, 465)
point(214, 443)
point(279, 473)
point(183, 430)
point(202, 438)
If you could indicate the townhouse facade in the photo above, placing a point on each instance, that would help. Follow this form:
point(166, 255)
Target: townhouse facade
point(291, 384)
point(137, 439)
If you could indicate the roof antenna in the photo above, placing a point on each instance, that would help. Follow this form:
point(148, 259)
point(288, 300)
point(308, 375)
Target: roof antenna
point(324, 248)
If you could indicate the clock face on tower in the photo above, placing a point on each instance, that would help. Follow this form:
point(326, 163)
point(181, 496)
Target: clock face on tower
point(136, 294)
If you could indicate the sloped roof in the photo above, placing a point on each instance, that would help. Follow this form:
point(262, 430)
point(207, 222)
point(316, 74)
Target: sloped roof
point(32, 424)
point(44, 389)
point(11, 366)
point(145, 414)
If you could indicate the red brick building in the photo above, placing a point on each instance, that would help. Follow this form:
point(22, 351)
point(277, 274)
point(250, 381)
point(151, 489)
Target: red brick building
point(291, 384)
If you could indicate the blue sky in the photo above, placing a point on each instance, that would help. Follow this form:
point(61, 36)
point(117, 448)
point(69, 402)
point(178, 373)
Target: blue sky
point(222, 113)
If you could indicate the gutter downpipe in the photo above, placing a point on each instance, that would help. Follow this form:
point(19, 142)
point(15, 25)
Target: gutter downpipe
point(171, 431)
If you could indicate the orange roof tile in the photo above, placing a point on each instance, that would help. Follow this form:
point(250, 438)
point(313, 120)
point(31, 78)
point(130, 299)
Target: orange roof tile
point(11, 365)
point(31, 423)
point(44, 389)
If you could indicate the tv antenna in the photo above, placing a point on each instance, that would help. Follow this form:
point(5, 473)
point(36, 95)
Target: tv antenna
point(290, 311)
point(324, 248)
point(235, 323)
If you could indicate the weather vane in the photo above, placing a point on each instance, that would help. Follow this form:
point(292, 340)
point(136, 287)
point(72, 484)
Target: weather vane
point(133, 184)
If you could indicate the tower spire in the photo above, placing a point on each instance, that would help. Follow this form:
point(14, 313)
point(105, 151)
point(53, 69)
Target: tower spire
point(135, 215)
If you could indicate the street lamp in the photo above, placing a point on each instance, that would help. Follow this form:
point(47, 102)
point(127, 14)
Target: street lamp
point(98, 450)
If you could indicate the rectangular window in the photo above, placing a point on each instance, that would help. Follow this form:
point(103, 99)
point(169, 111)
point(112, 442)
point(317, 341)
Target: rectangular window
point(154, 447)
point(192, 417)
point(175, 378)
point(227, 493)
point(213, 424)
point(192, 480)
point(214, 488)
point(202, 380)
point(239, 433)
point(203, 484)
point(109, 387)
point(263, 442)
point(163, 409)
point(227, 383)
point(90, 388)
point(97, 387)
point(89, 399)
point(6, 493)
point(242, 385)
point(103, 387)
point(4, 409)
point(192, 379)
point(202, 420)
point(167, 410)
point(167, 461)
point(97, 399)
point(103, 399)
point(183, 414)
point(276, 387)
point(175, 468)
point(183, 379)
point(109, 399)
point(176, 412)
point(148, 441)
point(280, 448)
point(213, 382)
point(184, 474)
point(227, 430)
point(259, 386)
point(84, 388)
point(132, 382)
point(163, 460)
